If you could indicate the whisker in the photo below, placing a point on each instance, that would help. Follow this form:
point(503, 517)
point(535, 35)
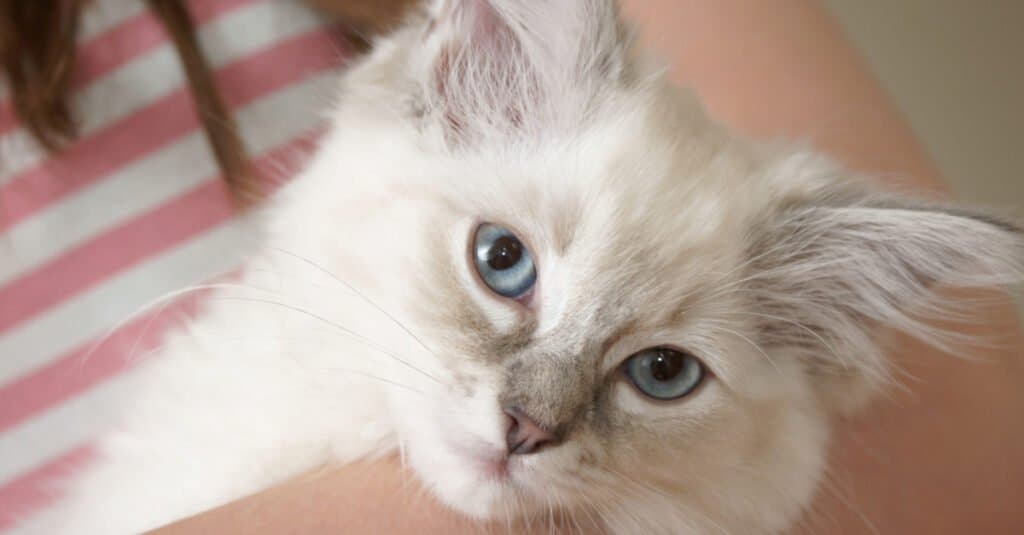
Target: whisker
point(368, 375)
point(158, 304)
point(832, 485)
point(354, 335)
point(362, 296)
point(718, 326)
point(828, 345)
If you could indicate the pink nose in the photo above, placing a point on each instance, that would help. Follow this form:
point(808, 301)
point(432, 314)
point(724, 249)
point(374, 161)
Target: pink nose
point(524, 435)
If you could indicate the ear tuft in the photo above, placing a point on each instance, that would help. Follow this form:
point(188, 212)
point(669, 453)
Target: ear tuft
point(516, 67)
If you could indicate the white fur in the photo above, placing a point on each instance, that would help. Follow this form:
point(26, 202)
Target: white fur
point(538, 115)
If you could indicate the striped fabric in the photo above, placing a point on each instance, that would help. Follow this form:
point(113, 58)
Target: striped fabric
point(131, 211)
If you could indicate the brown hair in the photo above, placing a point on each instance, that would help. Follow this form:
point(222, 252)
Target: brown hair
point(37, 56)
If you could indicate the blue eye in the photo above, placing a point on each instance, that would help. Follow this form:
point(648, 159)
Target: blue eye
point(503, 262)
point(663, 373)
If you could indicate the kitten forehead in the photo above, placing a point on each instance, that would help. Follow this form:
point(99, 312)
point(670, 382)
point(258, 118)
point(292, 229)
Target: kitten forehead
point(627, 194)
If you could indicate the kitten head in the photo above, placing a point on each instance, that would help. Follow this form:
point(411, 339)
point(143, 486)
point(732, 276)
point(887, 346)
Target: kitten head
point(625, 313)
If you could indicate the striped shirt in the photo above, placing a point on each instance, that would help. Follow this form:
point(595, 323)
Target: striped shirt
point(131, 211)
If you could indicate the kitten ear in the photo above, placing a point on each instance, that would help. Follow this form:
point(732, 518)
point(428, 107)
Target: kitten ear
point(502, 67)
point(829, 275)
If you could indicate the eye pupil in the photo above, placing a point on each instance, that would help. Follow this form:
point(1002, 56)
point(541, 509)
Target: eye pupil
point(666, 365)
point(506, 252)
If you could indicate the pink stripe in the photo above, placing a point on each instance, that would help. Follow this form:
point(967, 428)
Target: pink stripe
point(130, 243)
point(150, 234)
point(89, 365)
point(90, 159)
point(128, 40)
point(40, 487)
point(135, 37)
point(121, 248)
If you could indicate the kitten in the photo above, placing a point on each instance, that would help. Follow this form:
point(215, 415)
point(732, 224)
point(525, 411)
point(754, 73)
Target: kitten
point(529, 264)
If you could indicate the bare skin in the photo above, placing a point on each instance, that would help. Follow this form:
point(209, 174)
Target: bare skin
point(944, 455)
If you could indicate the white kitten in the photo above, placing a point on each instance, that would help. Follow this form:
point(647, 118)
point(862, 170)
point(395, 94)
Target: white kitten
point(529, 264)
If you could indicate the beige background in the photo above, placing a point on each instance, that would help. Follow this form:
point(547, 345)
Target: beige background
point(956, 69)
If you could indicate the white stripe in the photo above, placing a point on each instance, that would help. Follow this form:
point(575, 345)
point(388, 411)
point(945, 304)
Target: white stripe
point(59, 430)
point(98, 17)
point(162, 175)
point(152, 75)
point(68, 425)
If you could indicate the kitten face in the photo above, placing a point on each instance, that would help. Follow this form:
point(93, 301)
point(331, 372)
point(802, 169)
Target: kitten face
point(638, 242)
point(644, 227)
point(624, 263)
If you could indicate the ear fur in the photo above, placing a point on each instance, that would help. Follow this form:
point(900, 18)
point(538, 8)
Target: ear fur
point(518, 68)
point(830, 273)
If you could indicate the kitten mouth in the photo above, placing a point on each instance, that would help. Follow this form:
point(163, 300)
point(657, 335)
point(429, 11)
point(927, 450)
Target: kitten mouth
point(492, 464)
point(489, 464)
point(495, 468)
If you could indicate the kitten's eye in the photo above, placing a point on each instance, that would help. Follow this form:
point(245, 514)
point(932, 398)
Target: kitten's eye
point(503, 262)
point(664, 373)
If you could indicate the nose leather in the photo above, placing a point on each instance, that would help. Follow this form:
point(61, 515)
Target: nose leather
point(525, 436)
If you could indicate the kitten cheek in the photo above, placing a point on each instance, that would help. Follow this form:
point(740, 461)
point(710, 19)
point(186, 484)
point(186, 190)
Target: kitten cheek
point(455, 442)
point(457, 483)
point(438, 449)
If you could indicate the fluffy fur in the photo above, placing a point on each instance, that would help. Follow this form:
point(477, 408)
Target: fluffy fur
point(361, 329)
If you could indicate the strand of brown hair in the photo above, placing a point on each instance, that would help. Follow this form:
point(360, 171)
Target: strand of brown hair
point(219, 125)
point(37, 53)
